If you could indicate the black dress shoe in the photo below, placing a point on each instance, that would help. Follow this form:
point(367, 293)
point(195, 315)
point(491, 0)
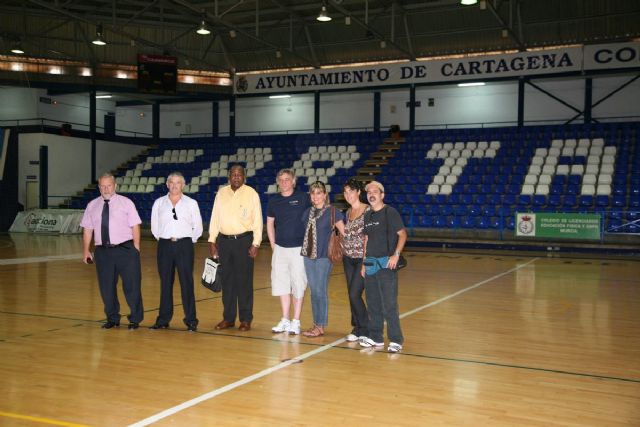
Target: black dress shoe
point(192, 327)
point(110, 325)
point(159, 326)
point(133, 325)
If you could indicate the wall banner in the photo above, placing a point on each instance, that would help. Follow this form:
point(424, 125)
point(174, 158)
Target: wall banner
point(608, 56)
point(553, 61)
point(559, 225)
point(63, 221)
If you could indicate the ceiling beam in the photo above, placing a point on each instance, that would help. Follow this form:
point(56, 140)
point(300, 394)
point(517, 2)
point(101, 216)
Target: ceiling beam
point(373, 31)
point(121, 32)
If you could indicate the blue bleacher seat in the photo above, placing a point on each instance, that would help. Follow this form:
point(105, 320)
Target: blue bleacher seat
point(602, 201)
point(586, 201)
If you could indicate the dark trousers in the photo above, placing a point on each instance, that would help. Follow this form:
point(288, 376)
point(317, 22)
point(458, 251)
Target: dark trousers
point(355, 287)
point(382, 301)
point(236, 268)
point(174, 256)
point(122, 261)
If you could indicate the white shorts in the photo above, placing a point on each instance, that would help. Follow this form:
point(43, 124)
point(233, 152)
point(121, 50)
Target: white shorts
point(287, 272)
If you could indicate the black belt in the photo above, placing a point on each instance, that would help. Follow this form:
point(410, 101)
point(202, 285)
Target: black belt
point(123, 244)
point(176, 239)
point(235, 236)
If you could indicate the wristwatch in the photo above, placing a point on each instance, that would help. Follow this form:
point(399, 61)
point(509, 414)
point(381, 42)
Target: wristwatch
point(397, 253)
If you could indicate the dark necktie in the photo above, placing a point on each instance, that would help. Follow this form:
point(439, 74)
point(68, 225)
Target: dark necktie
point(105, 223)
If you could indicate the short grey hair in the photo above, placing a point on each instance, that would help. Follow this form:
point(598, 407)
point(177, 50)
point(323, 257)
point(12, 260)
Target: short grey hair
point(107, 175)
point(287, 171)
point(178, 175)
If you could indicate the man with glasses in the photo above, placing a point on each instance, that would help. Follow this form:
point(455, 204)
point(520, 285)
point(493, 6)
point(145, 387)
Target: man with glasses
point(112, 221)
point(235, 234)
point(176, 224)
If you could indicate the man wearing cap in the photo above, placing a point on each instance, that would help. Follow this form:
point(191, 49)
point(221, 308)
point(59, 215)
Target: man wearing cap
point(235, 234)
point(113, 222)
point(176, 224)
point(385, 237)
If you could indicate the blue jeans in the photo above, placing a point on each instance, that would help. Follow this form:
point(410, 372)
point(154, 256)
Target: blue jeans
point(381, 291)
point(318, 271)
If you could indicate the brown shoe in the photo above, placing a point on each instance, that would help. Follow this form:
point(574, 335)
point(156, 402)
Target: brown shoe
point(225, 325)
point(244, 326)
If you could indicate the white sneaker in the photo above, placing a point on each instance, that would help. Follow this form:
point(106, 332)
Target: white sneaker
point(352, 338)
point(367, 342)
point(282, 326)
point(294, 327)
point(394, 347)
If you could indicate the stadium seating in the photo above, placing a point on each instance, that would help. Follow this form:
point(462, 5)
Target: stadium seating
point(452, 178)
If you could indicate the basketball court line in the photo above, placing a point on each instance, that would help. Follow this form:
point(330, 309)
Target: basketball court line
point(265, 372)
point(40, 420)
point(48, 258)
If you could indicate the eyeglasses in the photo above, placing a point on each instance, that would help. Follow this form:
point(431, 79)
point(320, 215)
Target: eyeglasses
point(175, 215)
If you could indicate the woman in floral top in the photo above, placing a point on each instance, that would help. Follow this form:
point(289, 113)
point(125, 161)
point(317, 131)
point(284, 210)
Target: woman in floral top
point(353, 246)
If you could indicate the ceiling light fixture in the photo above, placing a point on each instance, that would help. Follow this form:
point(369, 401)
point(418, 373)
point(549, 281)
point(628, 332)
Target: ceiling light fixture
point(203, 30)
point(279, 96)
point(17, 48)
point(105, 96)
point(468, 2)
point(471, 84)
point(232, 34)
point(323, 16)
point(99, 40)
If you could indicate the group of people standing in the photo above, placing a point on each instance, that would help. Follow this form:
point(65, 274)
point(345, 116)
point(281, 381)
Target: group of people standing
point(299, 227)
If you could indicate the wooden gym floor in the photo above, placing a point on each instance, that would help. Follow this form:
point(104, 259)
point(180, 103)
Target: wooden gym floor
point(503, 339)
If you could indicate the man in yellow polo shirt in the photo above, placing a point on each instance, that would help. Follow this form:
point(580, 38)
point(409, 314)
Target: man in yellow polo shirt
point(235, 233)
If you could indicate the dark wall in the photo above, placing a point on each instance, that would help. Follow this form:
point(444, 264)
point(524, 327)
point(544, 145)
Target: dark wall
point(9, 183)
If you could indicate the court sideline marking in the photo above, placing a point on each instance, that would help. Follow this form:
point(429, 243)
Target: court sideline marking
point(30, 260)
point(213, 393)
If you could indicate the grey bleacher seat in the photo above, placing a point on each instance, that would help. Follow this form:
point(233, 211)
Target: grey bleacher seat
point(544, 179)
point(542, 189)
point(577, 169)
point(528, 189)
point(534, 170)
point(604, 179)
point(592, 169)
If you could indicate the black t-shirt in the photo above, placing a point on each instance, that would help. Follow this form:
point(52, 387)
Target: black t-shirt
point(381, 229)
point(288, 212)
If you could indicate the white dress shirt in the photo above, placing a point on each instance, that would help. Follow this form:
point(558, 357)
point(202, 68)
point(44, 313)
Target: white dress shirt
point(188, 224)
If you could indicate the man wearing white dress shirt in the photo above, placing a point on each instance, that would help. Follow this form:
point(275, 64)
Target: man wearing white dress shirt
point(176, 224)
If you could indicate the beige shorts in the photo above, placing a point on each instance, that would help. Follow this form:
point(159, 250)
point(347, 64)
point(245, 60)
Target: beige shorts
point(287, 272)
